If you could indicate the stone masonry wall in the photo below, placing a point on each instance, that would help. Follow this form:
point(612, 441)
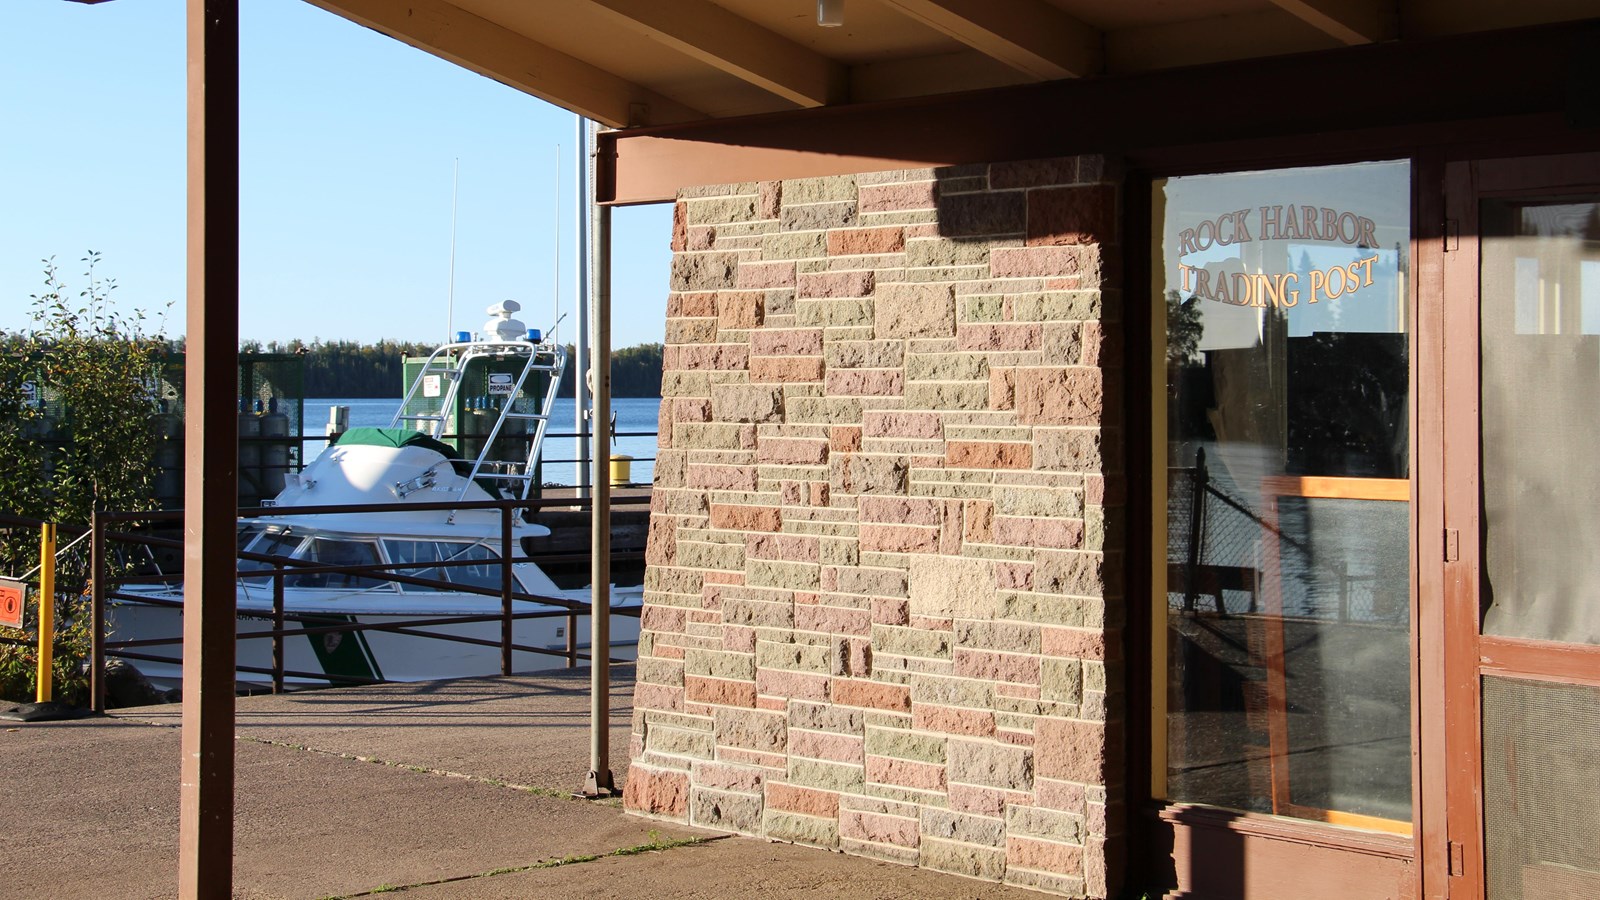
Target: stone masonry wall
point(881, 612)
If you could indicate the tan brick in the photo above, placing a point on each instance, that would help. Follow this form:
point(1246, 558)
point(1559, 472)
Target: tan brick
point(915, 311)
point(1071, 750)
point(746, 403)
point(1045, 262)
point(786, 342)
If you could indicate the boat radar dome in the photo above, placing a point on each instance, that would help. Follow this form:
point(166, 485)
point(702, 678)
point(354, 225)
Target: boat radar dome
point(503, 327)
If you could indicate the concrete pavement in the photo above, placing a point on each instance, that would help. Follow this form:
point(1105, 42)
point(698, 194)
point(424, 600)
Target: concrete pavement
point(443, 790)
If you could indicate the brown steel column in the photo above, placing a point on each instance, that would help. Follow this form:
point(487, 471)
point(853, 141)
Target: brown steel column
point(210, 490)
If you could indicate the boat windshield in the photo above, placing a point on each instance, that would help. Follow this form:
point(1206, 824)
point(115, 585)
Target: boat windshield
point(270, 541)
point(335, 552)
point(485, 573)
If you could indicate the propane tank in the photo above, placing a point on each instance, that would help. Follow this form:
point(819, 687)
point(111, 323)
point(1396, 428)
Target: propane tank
point(249, 454)
point(274, 449)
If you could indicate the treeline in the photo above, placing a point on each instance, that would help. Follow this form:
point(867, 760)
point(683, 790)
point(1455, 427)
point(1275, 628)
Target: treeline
point(356, 369)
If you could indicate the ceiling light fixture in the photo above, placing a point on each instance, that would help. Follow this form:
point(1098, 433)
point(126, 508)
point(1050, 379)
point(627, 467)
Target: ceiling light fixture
point(830, 13)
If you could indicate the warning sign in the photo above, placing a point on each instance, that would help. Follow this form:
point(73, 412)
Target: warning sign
point(11, 597)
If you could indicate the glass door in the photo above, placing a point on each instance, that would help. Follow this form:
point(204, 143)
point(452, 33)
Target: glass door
point(1522, 519)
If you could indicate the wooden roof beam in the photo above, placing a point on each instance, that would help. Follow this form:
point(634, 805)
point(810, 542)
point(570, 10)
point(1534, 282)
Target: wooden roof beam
point(1350, 21)
point(711, 34)
point(452, 33)
point(1030, 36)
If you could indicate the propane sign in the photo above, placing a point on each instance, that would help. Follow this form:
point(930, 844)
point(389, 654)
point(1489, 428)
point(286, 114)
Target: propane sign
point(11, 597)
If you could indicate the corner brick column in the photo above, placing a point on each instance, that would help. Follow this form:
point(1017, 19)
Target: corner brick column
point(881, 609)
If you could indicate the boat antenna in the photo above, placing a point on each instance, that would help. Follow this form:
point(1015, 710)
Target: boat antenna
point(450, 311)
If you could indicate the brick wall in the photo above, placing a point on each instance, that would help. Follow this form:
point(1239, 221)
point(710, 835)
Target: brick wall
point(881, 612)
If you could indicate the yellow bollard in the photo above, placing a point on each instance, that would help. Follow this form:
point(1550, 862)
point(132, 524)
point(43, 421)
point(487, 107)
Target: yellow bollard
point(621, 470)
point(47, 610)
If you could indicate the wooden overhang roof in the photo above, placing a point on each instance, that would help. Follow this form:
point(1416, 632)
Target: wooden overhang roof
point(669, 67)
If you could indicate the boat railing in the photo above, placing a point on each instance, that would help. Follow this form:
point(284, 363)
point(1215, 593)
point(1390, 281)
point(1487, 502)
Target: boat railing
point(113, 534)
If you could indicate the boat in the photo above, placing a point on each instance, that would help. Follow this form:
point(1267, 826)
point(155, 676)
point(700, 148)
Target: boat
point(470, 402)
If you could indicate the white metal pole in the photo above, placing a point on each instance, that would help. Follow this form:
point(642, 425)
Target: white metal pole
point(600, 782)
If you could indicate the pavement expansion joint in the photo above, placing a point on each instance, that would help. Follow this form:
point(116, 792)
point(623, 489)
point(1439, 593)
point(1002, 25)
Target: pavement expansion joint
point(656, 844)
point(535, 790)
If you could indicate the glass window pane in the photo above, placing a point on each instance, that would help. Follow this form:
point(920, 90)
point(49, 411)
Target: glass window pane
point(485, 575)
point(332, 552)
point(409, 551)
point(1540, 311)
point(1286, 524)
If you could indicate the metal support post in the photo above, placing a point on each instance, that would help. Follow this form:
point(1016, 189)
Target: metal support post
point(45, 676)
point(507, 551)
point(582, 194)
point(600, 782)
point(277, 631)
point(97, 612)
point(211, 478)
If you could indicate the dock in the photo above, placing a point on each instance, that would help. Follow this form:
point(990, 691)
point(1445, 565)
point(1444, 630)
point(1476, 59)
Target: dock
point(453, 790)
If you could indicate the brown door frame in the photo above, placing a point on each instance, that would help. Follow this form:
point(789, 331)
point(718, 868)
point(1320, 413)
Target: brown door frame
point(1468, 655)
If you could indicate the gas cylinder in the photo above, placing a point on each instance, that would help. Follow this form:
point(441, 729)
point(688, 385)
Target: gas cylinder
point(274, 449)
point(249, 453)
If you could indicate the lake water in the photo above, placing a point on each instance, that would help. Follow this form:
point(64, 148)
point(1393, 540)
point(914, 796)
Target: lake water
point(636, 419)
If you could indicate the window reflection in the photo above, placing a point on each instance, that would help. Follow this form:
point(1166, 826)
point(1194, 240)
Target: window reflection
point(1286, 528)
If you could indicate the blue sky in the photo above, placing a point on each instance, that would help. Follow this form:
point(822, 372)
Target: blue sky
point(348, 139)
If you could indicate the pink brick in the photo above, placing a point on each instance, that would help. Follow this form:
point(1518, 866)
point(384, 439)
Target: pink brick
point(980, 801)
point(890, 611)
point(719, 691)
point(805, 801)
point(1033, 173)
point(721, 777)
point(745, 518)
point(818, 493)
point(1056, 534)
point(769, 198)
point(865, 383)
point(988, 455)
point(722, 478)
point(820, 745)
point(786, 342)
point(1044, 262)
point(1010, 576)
point(1002, 389)
point(998, 337)
point(716, 357)
point(738, 638)
point(1071, 750)
point(692, 306)
point(977, 522)
point(1060, 396)
point(792, 451)
point(739, 309)
point(952, 720)
point(662, 619)
point(1073, 643)
point(702, 237)
point(1085, 214)
point(899, 539)
point(844, 438)
point(905, 773)
point(680, 222)
point(833, 620)
point(765, 275)
point(794, 685)
point(991, 666)
point(1063, 795)
point(790, 547)
point(661, 792)
point(835, 284)
point(896, 197)
point(658, 696)
point(902, 424)
point(878, 829)
point(1044, 856)
point(863, 241)
point(872, 695)
point(899, 510)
